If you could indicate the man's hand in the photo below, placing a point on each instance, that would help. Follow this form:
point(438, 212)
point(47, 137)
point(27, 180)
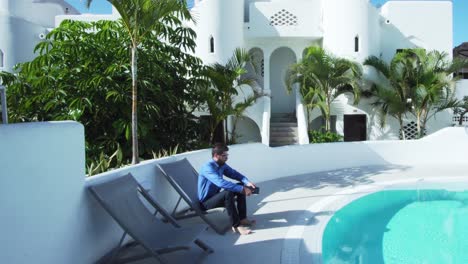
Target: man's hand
point(247, 191)
point(250, 184)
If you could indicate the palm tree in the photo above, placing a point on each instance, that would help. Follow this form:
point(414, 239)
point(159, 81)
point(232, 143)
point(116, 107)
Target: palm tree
point(432, 83)
point(142, 18)
point(392, 92)
point(461, 109)
point(323, 77)
point(224, 84)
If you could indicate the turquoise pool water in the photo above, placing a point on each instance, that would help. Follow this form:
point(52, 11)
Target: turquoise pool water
point(400, 226)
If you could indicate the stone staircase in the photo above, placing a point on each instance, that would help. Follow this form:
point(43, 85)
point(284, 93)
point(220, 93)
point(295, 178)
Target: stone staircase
point(283, 129)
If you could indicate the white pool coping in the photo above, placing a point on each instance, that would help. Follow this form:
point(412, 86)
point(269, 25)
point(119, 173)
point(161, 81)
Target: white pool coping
point(291, 251)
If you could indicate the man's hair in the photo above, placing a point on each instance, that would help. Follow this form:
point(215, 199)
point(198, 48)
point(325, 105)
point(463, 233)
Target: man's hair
point(219, 148)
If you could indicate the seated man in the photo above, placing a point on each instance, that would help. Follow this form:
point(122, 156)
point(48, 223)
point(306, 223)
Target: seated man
point(210, 183)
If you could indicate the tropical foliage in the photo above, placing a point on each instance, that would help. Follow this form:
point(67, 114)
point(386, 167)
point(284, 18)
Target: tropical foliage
point(144, 19)
point(392, 93)
point(322, 77)
point(82, 73)
point(416, 82)
point(321, 136)
point(224, 84)
point(461, 109)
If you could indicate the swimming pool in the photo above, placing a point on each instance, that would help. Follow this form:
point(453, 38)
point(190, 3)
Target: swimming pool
point(400, 226)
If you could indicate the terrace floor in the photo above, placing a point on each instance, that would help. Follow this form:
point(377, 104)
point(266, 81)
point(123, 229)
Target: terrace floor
point(291, 213)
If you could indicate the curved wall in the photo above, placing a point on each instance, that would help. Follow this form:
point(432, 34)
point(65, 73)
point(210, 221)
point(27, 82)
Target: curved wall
point(68, 226)
point(21, 23)
point(22, 37)
point(224, 21)
point(345, 20)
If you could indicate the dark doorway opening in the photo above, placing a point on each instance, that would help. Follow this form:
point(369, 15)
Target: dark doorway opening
point(205, 124)
point(355, 127)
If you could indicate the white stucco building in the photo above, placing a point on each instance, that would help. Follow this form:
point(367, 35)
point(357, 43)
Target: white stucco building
point(276, 33)
point(23, 24)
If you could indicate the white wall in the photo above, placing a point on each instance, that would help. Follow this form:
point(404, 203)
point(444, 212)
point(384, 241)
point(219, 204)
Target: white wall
point(224, 21)
point(424, 23)
point(462, 88)
point(343, 21)
point(85, 18)
point(41, 190)
point(307, 12)
point(41, 12)
point(22, 23)
point(49, 217)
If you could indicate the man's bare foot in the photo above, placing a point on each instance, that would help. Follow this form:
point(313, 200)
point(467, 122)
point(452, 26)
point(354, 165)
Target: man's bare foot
point(247, 222)
point(241, 230)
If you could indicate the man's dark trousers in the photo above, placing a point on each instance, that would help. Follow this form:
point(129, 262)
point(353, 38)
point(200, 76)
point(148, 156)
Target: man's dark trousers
point(227, 199)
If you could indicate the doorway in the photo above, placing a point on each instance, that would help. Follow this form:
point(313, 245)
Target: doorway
point(281, 100)
point(355, 127)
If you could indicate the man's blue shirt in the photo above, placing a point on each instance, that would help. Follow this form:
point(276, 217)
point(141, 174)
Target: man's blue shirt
point(210, 180)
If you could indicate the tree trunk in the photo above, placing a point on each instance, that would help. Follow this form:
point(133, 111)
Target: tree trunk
point(327, 116)
point(402, 129)
point(135, 154)
point(327, 123)
point(418, 124)
point(226, 136)
point(460, 122)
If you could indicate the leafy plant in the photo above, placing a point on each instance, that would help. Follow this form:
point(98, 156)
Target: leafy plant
point(323, 77)
point(323, 136)
point(90, 83)
point(147, 19)
point(165, 153)
point(391, 92)
point(461, 109)
point(224, 82)
point(416, 82)
point(104, 163)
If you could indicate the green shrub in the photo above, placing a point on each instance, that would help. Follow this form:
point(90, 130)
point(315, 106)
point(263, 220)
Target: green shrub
point(317, 136)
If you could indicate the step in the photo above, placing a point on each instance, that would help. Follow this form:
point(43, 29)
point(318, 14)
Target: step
point(274, 134)
point(282, 119)
point(283, 115)
point(283, 129)
point(283, 124)
point(280, 144)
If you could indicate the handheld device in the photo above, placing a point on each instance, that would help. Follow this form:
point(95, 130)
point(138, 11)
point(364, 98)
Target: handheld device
point(255, 190)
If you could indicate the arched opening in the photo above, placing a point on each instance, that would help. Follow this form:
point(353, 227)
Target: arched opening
point(212, 44)
point(356, 44)
point(281, 101)
point(2, 59)
point(256, 69)
point(246, 131)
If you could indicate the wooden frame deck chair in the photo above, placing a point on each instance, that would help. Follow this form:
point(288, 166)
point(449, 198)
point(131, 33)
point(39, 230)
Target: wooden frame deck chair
point(120, 198)
point(184, 178)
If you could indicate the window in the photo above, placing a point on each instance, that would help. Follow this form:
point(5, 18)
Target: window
point(463, 74)
point(284, 18)
point(212, 46)
point(2, 57)
point(356, 44)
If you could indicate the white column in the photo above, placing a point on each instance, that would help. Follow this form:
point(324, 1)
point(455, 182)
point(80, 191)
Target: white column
point(301, 115)
point(267, 101)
